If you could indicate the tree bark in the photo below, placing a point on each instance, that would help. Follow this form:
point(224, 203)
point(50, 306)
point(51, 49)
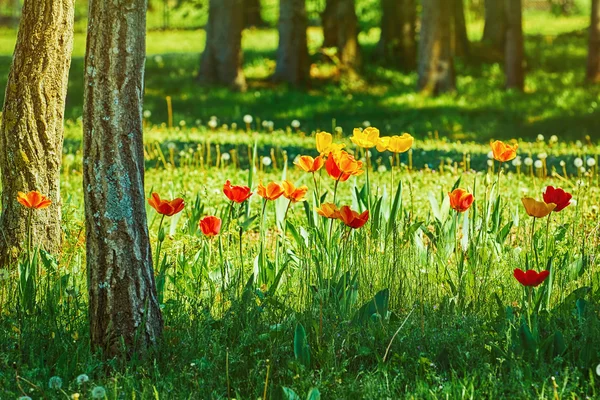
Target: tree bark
point(329, 23)
point(252, 15)
point(494, 30)
point(221, 62)
point(123, 303)
point(593, 62)
point(460, 38)
point(436, 64)
point(293, 63)
point(397, 45)
point(340, 30)
point(31, 130)
point(514, 54)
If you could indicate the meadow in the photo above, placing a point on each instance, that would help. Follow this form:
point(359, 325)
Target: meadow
point(415, 299)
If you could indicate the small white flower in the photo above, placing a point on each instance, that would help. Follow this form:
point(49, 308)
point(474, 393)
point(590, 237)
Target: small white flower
point(517, 162)
point(528, 161)
point(267, 161)
point(381, 168)
point(582, 170)
point(233, 126)
point(225, 157)
point(295, 124)
point(338, 129)
point(83, 378)
point(212, 123)
point(490, 154)
point(562, 163)
point(490, 163)
point(55, 382)
point(98, 392)
point(248, 119)
point(147, 114)
point(158, 59)
point(540, 138)
point(265, 123)
point(171, 146)
point(182, 123)
point(578, 162)
point(542, 156)
point(538, 164)
point(366, 124)
point(598, 369)
point(591, 162)
point(270, 125)
point(573, 202)
point(553, 139)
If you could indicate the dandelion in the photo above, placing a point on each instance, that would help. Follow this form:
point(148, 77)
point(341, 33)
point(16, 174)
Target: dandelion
point(538, 164)
point(528, 161)
point(598, 369)
point(295, 124)
point(212, 124)
point(366, 124)
point(83, 378)
point(562, 163)
point(248, 119)
point(490, 154)
point(540, 138)
point(55, 382)
point(382, 168)
point(582, 170)
point(267, 161)
point(517, 162)
point(98, 392)
point(542, 156)
point(490, 163)
point(591, 162)
point(225, 157)
point(147, 114)
point(553, 139)
point(182, 123)
point(578, 162)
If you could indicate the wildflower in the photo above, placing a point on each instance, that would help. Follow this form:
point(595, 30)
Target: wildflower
point(295, 124)
point(75, 396)
point(517, 162)
point(538, 164)
point(540, 138)
point(591, 162)
point(367, 138)
point(528, 161)
point(98, 392)
point(248, 119)
point(166, 207)
point(382, 168)
point(147, 114)
point(267, 161)
point(504, 152)
point(396, 144)
point(225, 157)
point(557, 196)
point(272, 191)
point(309, 164)
point(292, 193)
point(237, 194)
point(542, 156)
point(81, 379)
point(531, 277)
point(210, 226)
point(537, 209)
point(366, 124)
point(325, 143)
point(553, 139)
point(352, 218)
point(328, 210)
point(212, 123)
point(34, 200)
point(460, 200)
point(55, 382)
point(578, 162)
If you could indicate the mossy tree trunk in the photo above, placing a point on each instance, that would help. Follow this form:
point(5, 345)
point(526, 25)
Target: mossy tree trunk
point(593, 62)
point(31, 131)
point(221, 62)
point(514, 56)
point(293, 63)
point(397, 45)
point(436, 64)
point(123, 305)
point(252, 16)
point(494, 29)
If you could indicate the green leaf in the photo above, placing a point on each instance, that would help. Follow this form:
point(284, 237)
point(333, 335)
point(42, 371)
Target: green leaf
point(377, 305)
point(289, 394)
point(301, 348)
point(313, 394)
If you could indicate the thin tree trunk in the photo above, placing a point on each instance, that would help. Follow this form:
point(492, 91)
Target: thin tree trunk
point(436, 64)
point(460, 37)
point(31, 131)
point(494, 30)
point(123, 303)
point(329, 22)
point(293, 64)
point(593, 62)
point(221, 62)
point(397, 45)
point(252, 15)
point(514, 54)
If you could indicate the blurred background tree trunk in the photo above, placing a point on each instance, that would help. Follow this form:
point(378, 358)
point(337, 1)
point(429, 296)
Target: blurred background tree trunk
point(593, 62)
point(32, 126)
point(221, 62)
point(397, 45)
point(460, 38)
point(329, 23)
point(293, 63)
point(252, 16)
point(514, 56)
point(436, 64)
point(494, 29)
point(123, 305)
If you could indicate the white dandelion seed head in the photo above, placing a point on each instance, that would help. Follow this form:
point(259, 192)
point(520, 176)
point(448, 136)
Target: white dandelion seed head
point(83, 378)
point(553, 139)
point(591, 162)
point(98, 392)
point(248, 119)
point(542, 156)
point(55, 382)
point(182, 123)
point(490, 163)
point(147, 114)
point(225, 157)
point(212, 123)
point(158, 59)
point(517, 162)
point(538, 164)
point(582, 170)
point(295, 124)
point(598, 369)
point(267, 161)
point(382, 168)
point(573, 202)
point(171, 145)
point(366, 124)
point(578, 162)
point(490, 155)
point(528, 161)
point(562, 163)
point(540, 138)
point(270, 124)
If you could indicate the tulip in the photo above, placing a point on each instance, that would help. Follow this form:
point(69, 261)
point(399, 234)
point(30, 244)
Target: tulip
point(460, 200)
point(292, 193)
point(34, 200)
point(328, 210)
point(396, 144)
point(166, 207)
point(367, 138)
point(237, 194)
point(537, 209)
point(557, 196)
point(352, 218)
point(210, 226)
point(271, 192)
point(530, 278)
point(503, 152)
point(340, 166)
point(334, 170)
point(309, 164)
point(325, 143)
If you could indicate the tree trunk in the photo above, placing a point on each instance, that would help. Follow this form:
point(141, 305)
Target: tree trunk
point(343, 36)
point(252, 15)
point(123, 304)
point(329, 23)
point(514, 54)
point(436, 65)
point(221, 61)
point(397, 45)
point(460, 38)
point(494, 30)
point(593, 63)
point(31, 131)
point(293, 64)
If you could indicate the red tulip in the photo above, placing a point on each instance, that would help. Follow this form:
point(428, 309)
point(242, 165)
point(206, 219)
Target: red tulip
point(353, 219)
point(531, 277)
point(557, 196)
point(34, 200)
point(238, 194)
point(166, 207)
point(210, 226)
point(460, 200)
point(334, 170)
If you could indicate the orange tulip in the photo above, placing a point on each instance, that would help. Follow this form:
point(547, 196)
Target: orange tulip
point(237, 194)
point(352, 218)
point(34, 200)
point(537, 209)
point(210, 226)
point(340, 166)
point(272, 191)
point(334, 170)
point(460, 200)
point(165, 207)
point(504, 152)
point(309, 164)
point(292, 193)
point(328, 210)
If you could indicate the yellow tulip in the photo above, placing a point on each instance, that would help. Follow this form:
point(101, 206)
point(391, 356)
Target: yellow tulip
point(367, 138)
point(537, 209)
point(325, 144)
point(396, 144)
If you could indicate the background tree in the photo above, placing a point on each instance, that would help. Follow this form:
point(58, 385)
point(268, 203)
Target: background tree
point(252, 16)
point(593, 62)
point(494, 29)
point(221, 62)
point(436, 64)
point(329, 23)
point(397, 46)
point(31, 131)
point(460, 38)
point(293, 63)
point(514, 55)
point(122, 293)
point(340, 30)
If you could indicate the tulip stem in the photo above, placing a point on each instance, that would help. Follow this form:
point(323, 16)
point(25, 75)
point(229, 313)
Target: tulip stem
point(159, 242)
point(316, 186)
point(529, 306)
point(533, 246)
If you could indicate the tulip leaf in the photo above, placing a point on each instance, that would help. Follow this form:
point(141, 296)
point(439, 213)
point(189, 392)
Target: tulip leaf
point(301, 347)
point(289, 394)
point(313, 394)
point(377, 305)
point(396, 208)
